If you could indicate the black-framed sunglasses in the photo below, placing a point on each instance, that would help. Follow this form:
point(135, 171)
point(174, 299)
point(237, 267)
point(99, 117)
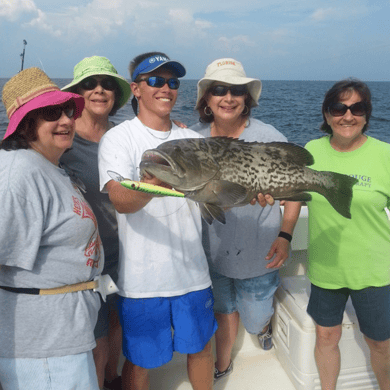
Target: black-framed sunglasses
point(54, 113)
point(222, 90)
point(91, 83)
point(339, 109)
point(159, 82)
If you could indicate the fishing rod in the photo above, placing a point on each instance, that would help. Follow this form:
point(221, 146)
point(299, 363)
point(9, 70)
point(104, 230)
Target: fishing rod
point(22, 55)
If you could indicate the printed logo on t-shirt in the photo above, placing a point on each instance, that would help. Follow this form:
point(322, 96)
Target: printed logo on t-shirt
point(364, 181)
point(93, 248)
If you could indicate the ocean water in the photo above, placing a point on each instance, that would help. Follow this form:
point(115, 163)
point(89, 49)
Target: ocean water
point(293, 107)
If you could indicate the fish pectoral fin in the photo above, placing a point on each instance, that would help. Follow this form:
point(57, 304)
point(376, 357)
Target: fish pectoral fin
point(210, 212)
point(299, 197)
point(228, 193)
point(220, 192)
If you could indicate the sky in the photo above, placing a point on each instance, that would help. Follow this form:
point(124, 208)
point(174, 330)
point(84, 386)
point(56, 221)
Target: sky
point(274, 39)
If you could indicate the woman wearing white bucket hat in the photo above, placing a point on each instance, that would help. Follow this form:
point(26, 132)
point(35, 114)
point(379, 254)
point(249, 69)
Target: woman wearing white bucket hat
point(245, 254)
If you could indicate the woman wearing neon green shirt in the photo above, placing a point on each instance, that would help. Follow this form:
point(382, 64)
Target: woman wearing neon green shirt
point(350, 257)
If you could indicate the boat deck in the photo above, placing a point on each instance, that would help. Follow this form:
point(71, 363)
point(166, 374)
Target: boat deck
point(253, 369)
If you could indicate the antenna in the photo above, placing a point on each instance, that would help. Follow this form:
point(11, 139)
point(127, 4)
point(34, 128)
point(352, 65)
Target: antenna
point(22, 55)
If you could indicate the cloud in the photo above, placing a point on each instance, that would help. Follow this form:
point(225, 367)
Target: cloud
point(235, 44)
point(42, 23)
point(185, 27)
point(281, 35)
point(322, 14)
point(87, 24)
point(13, 9)
point(90, 23)
point(343, 11)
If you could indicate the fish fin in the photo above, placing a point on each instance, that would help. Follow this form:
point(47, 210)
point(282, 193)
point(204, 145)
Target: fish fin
point(340, 193)
point(289, 152)
point(228, 193)
point(300, 197)
point(221, 192)
point(115, 176)
point(210, 212)
point(205, 213)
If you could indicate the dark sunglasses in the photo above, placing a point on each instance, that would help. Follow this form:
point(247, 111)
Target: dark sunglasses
point(159, 82)
point(53, 113)
point(339, 109)
point(222, 90)
point(91, 83)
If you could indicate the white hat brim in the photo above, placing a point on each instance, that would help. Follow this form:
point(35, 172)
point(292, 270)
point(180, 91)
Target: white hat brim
point(254, 86)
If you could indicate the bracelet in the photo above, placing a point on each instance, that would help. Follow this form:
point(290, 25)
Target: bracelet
point(285, 235)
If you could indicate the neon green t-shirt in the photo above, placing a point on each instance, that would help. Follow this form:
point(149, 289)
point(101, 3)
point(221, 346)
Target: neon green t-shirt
point(353, 253)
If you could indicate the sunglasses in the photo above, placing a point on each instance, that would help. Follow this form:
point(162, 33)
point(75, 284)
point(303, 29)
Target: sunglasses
point(91, 83)
point(54, 113)
point(222, 90)
point(159, 82)
point(339, 109)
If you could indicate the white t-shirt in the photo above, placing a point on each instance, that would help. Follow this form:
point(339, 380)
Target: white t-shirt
point(161, 252)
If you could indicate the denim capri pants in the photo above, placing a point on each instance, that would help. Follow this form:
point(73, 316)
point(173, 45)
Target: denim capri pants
point(252, 298)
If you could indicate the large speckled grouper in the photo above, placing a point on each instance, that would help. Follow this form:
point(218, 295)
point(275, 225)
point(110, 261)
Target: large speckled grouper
point(221, 172)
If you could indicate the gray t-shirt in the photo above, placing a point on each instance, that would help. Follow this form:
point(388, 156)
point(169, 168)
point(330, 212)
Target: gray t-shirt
point(49, 238)
point(238, 249)
point(82, 162)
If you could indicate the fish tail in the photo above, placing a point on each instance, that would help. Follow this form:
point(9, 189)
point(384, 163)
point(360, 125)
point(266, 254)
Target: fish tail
point(339, 194)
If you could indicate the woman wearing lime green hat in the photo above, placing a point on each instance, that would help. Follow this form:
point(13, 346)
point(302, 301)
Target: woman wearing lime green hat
point(104, 91)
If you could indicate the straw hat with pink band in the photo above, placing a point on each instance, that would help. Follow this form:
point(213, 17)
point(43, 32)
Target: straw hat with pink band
point(29, 90)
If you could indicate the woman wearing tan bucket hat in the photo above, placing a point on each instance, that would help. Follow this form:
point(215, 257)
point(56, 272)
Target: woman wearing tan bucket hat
point(50, 250)
point(245, 254)
point(104, 91)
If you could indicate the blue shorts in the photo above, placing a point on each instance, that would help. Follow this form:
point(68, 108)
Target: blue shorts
point(155, 327)
point(372, 307)
point(252, 298)
point(76, 372)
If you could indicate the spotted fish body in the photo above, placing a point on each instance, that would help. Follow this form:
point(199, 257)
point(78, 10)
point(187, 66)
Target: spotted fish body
point(221, 172)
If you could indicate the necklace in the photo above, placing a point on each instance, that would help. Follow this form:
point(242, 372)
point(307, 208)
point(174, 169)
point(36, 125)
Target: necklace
point(151, 131)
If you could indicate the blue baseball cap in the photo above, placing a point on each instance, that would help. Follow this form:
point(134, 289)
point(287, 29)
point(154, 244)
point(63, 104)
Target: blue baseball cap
point(157, 61)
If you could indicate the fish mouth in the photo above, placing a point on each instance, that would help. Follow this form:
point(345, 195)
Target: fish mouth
point(152, 159)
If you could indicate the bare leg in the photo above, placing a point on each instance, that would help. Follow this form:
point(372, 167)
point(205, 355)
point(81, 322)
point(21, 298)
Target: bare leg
point(225, 337)
point(200, 369)
point(114, 344)
point(134, 377)
point(327, 355)
point(380, 361)
point(100, 356)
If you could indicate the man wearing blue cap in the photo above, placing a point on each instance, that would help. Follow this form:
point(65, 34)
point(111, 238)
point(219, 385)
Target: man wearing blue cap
point(166, 302)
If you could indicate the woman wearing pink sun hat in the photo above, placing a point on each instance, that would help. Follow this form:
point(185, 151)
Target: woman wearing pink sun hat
point(51, 250)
